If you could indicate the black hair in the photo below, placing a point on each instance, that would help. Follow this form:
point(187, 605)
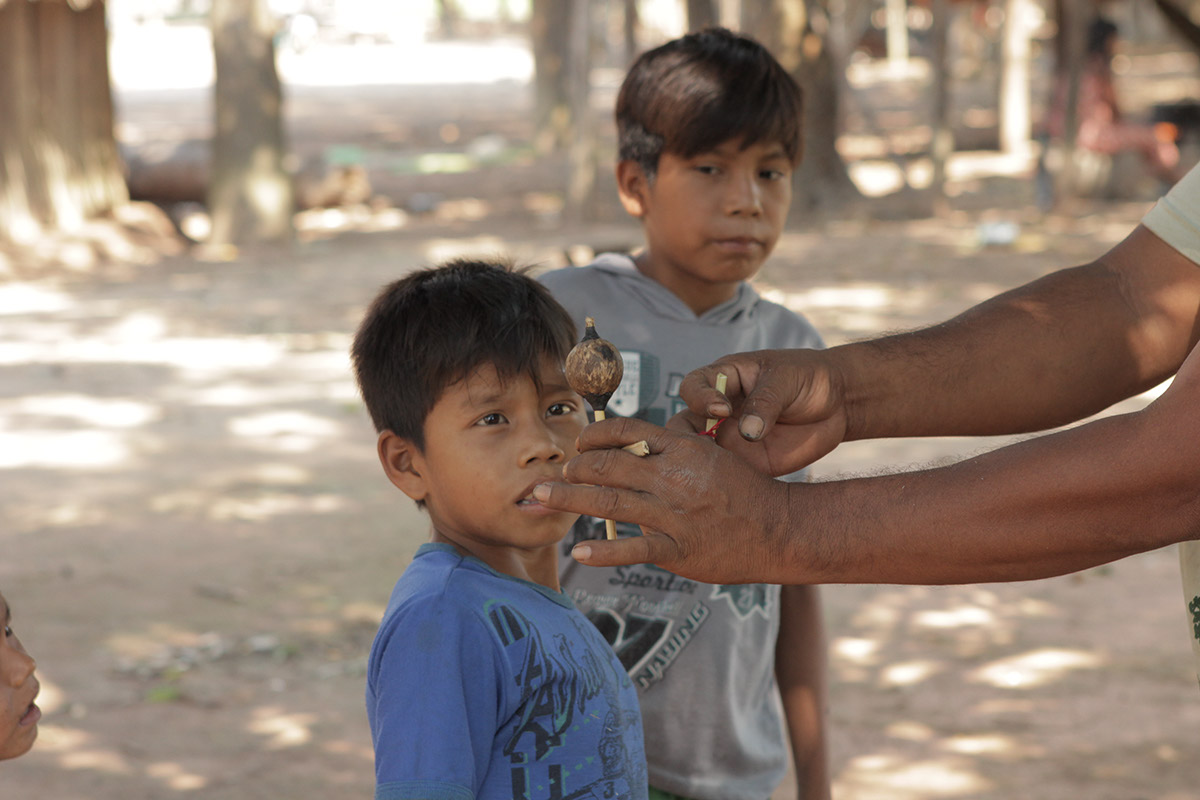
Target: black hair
point(691, 94)
point(432, 328)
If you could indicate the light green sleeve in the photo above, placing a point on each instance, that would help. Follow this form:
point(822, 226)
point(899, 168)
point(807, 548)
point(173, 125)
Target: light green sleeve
point(1176, 217)
point(1176, 220)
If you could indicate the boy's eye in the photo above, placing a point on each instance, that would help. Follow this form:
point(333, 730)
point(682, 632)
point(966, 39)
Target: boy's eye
point(8, 631)
point(772, 174)
point(495, 418)
point(706, 169)
point(560, 410)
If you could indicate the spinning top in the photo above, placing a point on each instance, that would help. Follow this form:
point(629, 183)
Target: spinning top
point(594, 369)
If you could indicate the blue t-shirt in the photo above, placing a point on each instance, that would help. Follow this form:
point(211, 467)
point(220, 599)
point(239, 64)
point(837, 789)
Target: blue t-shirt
point(481, 685)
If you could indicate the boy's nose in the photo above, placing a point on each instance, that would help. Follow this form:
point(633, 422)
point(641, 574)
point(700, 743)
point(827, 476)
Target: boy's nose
point(744, 196)
point(540, 445)
point(17, 665)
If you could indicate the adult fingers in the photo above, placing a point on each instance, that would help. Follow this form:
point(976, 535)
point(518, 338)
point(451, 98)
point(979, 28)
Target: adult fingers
point(622, 505)
point(699, 387)
point(616, 432)
point(650, 548)
point(774, 390)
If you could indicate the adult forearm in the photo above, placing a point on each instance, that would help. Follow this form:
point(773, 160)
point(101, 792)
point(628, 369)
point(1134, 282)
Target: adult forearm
point(1047, 506)
point(1047, 353)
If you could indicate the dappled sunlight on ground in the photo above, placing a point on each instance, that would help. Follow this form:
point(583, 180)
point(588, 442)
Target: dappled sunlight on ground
point(199, 541)
point(1029, 670)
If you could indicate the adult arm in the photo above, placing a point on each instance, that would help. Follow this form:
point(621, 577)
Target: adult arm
point(800, 672)
point(1044, 354)
point(1047, 353)
point(1046, 506)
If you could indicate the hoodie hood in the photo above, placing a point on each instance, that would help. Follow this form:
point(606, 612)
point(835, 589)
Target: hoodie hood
point(739, 309)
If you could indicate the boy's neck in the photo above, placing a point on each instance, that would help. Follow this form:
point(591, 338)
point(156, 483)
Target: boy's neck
point(538, 566)
point(700, 298)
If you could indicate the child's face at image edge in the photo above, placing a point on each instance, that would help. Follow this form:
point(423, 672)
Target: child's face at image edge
point(710, 220)
point(18, 689)
point(487, 444)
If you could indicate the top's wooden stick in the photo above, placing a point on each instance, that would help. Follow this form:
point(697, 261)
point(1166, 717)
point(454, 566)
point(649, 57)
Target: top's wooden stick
point(594, 369)
point(721, 380)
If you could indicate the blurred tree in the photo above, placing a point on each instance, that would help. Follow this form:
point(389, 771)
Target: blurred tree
point(449, 17)
point(250, 195)
point(1015, 77)
point(549, 24)
point(583, 150)
point(942, 139)
point(58, 156)
point(797, 34)
point(1182, 20)
point(701, 14)
point(631, 20)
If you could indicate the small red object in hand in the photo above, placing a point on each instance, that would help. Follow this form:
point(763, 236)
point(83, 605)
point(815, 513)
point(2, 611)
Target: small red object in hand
point(713, 430)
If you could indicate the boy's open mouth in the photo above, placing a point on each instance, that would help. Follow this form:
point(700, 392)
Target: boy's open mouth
point(32, 715)
point(528, 500)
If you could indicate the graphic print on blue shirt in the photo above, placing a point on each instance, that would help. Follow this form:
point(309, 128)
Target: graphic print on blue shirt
point(566, 688)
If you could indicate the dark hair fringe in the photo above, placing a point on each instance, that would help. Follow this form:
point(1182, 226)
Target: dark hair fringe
point(434, 327)
point(692, 94)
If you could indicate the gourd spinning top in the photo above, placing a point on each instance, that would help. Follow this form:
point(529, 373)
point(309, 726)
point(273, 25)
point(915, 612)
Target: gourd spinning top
point(594, 369)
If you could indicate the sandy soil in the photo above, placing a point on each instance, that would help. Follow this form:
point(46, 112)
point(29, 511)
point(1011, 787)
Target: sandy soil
point(198, 542)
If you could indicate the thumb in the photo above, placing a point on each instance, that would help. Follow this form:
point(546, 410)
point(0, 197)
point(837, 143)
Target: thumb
point(764, 404)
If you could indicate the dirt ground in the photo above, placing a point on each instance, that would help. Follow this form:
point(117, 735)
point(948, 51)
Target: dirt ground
point(197, 541)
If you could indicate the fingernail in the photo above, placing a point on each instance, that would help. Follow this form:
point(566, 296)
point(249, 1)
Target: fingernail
point(541, 492)
point(581, 552)
point(719, 410)
point(751, 427)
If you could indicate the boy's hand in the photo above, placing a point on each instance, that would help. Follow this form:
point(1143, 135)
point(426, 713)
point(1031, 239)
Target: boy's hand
point(788, 404)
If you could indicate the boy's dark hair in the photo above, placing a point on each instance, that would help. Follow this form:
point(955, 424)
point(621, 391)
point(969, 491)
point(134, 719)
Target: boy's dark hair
point(429, 330)
point(691, 94)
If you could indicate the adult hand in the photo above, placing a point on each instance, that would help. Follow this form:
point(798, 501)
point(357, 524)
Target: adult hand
point(705, 513)
point(788, 404)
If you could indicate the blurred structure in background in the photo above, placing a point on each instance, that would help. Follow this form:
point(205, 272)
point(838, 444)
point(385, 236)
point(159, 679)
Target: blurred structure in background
point(232, 117)
point(58, 158)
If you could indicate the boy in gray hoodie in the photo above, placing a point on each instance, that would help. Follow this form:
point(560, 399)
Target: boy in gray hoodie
point(709, 129)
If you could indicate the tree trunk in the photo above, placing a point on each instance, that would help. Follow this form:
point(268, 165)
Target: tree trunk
point(1180, 21)
point(548, 30)
point(942, 143)
point(250, 193)
point(897, 34)
point(58, 156)
point(786, 28)
point(1073, 17)
point(449, 17)
point(581, 153)
point(1015, 113)
point(631, 21)
point(701, 14)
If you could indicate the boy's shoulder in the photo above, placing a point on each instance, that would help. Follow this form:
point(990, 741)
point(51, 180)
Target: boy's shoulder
point(438, 580)
point(442, 580)
point(605, 267)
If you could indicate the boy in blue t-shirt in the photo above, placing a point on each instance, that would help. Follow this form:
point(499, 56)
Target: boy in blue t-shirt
point(484, 681)
point(709, 136)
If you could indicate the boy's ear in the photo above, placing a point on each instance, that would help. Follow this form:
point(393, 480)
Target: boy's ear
point(403, 464)
point(632, 185)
